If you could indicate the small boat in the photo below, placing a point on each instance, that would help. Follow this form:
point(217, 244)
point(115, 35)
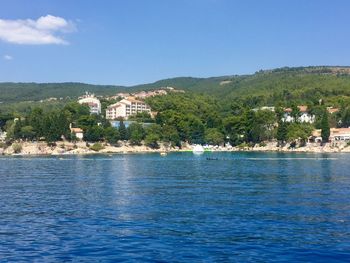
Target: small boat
point(163, 154)
point(198, 149)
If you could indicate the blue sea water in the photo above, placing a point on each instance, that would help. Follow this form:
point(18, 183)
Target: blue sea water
point(242, 207)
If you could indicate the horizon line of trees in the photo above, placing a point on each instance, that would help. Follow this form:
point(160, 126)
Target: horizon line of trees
point(189, 117)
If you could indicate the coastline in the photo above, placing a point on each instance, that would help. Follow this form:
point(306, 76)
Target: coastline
point(81, 148)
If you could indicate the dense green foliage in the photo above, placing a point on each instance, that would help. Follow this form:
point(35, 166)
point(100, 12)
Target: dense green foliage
point(325, 132)
point(213, 110)
point(298, 85)
point(15, 92)
point(285, 85)
point(201, 119)
point(181, 117)
point(97, 147)
point(17, 148)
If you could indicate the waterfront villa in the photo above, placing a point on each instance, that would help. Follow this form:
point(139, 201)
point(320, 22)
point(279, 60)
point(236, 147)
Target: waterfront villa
point(91, 101)
point(77, 132)
point(336, 135)
point(340, 134)
point(125, 108)
point(316, 136)
point(305, 115)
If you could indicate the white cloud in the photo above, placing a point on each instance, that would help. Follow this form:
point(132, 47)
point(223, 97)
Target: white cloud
point(8, 57)
point(44, 30)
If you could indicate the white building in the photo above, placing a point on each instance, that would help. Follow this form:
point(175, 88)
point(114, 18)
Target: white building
point(340, 134)
point(125, 108)
point(336, 135)
point(305, 116)
point(78, 132)
point(91, 101)
point(148, 94)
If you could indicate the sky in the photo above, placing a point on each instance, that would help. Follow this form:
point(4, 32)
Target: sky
point(131, 42)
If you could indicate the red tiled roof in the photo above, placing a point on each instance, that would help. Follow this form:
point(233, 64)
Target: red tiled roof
point(76, 130)
point(302, 108)
point(337, 131)
point(332, 110)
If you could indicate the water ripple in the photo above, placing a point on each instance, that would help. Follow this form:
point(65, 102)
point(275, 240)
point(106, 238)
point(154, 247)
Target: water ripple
point(179, 208)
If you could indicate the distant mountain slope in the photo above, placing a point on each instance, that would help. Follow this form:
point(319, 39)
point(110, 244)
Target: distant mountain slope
point(290, 84)
point(186, 83)
point(13, 92)
point(263, 87)
point(301, 85)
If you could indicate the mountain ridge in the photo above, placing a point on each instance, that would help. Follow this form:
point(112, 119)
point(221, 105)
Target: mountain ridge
point(256, 84)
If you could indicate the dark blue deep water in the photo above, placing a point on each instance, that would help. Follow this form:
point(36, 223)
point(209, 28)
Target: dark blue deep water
point(242, 207)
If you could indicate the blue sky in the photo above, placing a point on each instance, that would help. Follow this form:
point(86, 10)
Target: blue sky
point(140, 41)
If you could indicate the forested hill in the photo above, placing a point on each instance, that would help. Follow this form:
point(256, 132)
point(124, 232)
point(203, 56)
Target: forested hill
point(303, 84)
point(14, 92)
point(300, 85)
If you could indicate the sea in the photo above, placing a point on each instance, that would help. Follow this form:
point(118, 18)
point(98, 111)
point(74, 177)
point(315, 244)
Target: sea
point(213, 207)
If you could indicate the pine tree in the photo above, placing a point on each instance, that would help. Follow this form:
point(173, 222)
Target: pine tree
point(295, 113)
point(282, 132)
point(36, 121)
point(136, 133)
point(17, 129)
point(122, 130)
point(325, 130)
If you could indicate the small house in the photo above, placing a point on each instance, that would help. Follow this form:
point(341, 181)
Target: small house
point(77, 132)
point(305, 116)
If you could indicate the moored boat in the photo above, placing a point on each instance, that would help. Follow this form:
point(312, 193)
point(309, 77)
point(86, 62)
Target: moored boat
point(198, 149)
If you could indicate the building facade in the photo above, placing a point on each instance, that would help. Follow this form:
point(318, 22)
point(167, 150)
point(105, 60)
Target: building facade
point(91, 101)
point(125, 108)
point(336, 135)
point(304, 116)
point(77, 132)
point(340, 134)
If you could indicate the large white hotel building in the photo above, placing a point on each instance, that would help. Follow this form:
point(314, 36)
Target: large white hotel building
point(125, 108)
point(91, 101)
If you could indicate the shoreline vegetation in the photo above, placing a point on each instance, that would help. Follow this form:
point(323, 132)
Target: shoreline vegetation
point(299, 109)
point(83, 148)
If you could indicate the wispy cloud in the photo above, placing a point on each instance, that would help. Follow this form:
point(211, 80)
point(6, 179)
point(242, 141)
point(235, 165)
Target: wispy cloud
point(45, 30)
point(8, 57)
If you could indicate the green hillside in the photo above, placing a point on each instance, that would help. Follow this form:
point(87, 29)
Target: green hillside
point(284, 85)
point(212, 110)
point(186, 83)
point(14, 92)
point(301, 85)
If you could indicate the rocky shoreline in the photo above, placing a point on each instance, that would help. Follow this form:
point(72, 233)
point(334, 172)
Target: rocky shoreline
point(82, 148)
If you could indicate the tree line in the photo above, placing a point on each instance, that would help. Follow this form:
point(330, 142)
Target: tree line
point(190, 117)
